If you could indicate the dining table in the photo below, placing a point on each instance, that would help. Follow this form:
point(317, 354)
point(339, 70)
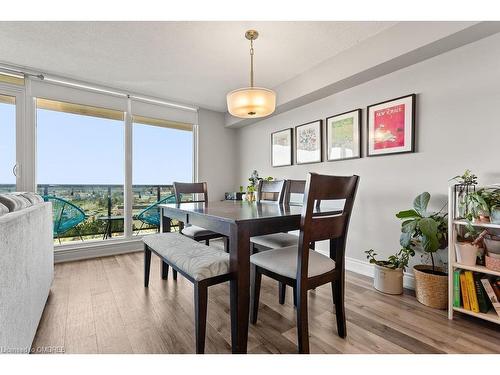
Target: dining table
point(239, 221)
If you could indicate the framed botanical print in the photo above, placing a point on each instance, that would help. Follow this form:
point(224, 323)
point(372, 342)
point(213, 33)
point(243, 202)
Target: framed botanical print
point(343, 136)
point(308, 142)
point(281, 148)
point(391, 126)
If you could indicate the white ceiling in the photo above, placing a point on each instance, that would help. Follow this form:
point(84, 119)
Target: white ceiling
point(191, 62)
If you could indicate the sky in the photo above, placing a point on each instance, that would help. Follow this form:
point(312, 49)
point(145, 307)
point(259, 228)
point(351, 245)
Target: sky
point(76, 149)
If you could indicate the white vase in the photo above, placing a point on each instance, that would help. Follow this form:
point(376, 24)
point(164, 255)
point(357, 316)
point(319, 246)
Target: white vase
point(466, 253)
point(388, 280)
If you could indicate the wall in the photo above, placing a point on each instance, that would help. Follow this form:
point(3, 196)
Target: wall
point(217, 154)
point(458, 94)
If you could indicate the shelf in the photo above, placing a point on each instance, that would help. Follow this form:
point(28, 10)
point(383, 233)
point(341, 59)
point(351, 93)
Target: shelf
point(491, 315)
point(482, 225)
point(476, 268)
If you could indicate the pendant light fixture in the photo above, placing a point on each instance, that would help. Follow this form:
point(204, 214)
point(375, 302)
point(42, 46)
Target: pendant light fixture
point(251, 102)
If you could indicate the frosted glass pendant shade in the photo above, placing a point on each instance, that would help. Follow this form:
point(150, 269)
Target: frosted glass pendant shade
point(251, 102)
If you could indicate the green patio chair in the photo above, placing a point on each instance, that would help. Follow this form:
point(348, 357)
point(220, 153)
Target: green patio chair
point(151, 214)
point(65, 215)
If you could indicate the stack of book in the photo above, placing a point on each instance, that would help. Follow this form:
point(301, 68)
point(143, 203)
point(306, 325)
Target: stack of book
point(476, 291)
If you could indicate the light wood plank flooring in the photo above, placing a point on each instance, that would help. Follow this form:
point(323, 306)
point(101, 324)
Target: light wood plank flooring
point(101, 306)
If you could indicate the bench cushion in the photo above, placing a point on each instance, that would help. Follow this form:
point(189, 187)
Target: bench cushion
point(276, 240)
point(193, 258)
point(284, 262)
point(194, 231)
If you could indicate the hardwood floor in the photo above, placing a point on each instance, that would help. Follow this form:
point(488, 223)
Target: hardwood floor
point(101, 306)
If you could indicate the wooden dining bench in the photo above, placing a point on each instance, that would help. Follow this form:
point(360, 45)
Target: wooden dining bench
point(201, 264)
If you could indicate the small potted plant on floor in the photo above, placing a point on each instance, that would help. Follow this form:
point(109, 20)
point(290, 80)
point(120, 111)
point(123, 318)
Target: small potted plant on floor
point(388, 277)
point(427, 232)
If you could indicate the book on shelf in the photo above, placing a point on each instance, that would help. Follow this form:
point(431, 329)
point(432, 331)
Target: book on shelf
point(456, 288)
point(488, 288)
point(471, 290)
point(464, 291)
point(482, 298)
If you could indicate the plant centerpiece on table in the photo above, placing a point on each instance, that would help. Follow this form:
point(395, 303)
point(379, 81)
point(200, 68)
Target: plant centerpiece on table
point(388, 277)
point(426, 231)
point(254, 181)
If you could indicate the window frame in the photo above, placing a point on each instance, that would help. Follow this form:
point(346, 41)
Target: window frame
point(27, 148)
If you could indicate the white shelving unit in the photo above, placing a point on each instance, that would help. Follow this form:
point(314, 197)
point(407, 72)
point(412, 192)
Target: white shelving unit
point(453, 223)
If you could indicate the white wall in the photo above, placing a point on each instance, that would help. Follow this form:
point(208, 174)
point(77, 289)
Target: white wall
point(217, 154)
point(458, 98)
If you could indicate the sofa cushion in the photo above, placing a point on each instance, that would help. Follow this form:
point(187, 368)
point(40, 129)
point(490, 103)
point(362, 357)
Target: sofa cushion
point(14, 202)
point(3, 209)
point(33, 198)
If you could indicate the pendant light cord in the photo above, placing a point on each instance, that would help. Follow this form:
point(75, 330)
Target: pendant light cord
point(251, 62)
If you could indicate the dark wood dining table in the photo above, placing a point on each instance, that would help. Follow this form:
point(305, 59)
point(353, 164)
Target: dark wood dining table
point(239, 220)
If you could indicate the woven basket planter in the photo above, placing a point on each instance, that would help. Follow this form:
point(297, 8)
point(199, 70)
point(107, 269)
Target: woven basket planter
point(431, 290)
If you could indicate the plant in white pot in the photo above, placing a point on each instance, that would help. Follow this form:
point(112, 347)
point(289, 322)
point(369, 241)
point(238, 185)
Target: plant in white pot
point(467, 246)
point(388, 276)
point(428, 232)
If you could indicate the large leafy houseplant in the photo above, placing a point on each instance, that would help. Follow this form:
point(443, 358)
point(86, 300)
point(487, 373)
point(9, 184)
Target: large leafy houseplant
point(423, 229)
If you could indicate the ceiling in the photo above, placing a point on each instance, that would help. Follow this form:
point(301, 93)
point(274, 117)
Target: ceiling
point(191, 62)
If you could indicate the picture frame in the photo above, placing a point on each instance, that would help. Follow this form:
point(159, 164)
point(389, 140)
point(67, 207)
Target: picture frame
point(309, 142)
point(343, 136)
point(282, 148)
point(391, 126)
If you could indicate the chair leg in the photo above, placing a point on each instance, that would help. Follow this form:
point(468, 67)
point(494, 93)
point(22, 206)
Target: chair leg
point(164, 270)
point(147, 265)
point(282, 293)
point(338, 300)
point(255, 281)
point(79, 234)
point(174, 274)
point(302, 321)
point(295, 296)
point(207, 242)
point(226, 244)
point(200, 314)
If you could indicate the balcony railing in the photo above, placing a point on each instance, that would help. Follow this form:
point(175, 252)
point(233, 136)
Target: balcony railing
point(103, 207)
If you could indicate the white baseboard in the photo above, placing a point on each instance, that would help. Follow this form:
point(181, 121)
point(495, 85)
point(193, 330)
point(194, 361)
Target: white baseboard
point(100, 249)
point(365, 268)
point(96, 250)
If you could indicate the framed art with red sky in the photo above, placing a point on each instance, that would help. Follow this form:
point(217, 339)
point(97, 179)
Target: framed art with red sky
point(391, 126)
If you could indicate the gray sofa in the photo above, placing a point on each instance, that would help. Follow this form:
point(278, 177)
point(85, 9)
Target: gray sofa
point(26, 269)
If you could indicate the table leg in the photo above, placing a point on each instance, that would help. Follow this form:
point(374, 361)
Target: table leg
point(239, 244)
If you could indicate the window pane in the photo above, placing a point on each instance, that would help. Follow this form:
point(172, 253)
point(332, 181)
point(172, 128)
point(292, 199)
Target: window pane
point(7, 143)
point(81, 161)
point(12, 79)
point(161, 155)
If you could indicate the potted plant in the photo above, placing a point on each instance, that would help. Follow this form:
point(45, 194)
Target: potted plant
point(467, 245)
point(254, 181)
point(388, 277)
point(426, 231)
point(466, 184)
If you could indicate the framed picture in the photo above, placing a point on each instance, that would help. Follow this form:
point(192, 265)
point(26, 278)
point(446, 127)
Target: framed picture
point(308, 142)
point(281, 148)
point(391, 126)
point(343, 136)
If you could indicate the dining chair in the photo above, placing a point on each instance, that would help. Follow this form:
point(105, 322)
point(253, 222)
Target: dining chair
point(192, 231)
point(271, 191)
point(203, 265)
point(293, 194)
point(302, 268)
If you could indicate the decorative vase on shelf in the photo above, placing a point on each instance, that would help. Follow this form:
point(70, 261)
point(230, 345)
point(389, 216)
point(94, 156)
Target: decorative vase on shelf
point(466, 253)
